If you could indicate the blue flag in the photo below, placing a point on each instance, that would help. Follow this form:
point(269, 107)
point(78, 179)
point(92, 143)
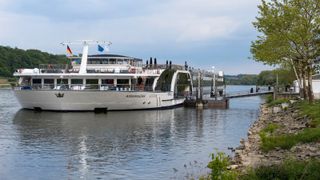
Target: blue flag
point(100, 48)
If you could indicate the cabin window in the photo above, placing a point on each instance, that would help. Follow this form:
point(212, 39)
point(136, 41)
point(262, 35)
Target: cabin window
point(36, 81)
point(48, 81)
point(107, 81)
point(122, 81)
point(62, 81)
point(112, 61)
point(92, 81)
point(123, 84)
point(76, 81)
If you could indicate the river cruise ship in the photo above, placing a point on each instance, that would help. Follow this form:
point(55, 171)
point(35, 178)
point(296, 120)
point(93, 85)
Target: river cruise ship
point(103, 82)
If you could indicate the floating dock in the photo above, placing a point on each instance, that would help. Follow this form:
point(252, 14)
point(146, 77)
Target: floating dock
point(207, 103)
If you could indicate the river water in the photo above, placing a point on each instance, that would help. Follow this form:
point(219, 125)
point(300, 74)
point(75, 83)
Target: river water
point(153, 144)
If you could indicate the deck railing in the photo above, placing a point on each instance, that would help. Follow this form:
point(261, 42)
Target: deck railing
point(66, 68)
point(86, 87)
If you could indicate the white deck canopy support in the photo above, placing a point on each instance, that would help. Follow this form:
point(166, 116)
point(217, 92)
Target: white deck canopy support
point(85, 50)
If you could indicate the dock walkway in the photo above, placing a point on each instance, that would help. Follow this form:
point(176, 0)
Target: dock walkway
point(247, 94)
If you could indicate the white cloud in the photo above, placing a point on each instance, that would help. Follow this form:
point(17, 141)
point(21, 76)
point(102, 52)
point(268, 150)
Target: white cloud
point(186, 26)
point(174, 21)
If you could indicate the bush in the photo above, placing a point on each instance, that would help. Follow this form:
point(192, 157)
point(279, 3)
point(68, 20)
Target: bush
point(269, 98)
point(218, 166)
point(289, 169)
point(271, 128)
point(12, 80)
point(277, 102)
point(311, 110)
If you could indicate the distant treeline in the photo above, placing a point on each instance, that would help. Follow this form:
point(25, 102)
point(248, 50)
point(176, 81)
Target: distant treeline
point(264, 78)
point(241, 79)
point(14, 58)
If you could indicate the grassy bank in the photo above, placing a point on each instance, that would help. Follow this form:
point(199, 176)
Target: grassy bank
point(270, 140)
point(289, 169)
point(268, 153)
point(7, 82)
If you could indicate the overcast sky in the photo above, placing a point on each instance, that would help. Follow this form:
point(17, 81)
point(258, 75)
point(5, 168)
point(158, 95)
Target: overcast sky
point(205, 33)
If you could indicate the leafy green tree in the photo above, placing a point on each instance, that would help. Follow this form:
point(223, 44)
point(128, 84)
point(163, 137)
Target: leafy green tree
point(289, 35)
point(268, 78)
point(14, 58)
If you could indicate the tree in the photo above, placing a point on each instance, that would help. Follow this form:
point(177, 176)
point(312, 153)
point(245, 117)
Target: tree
point(14, 58)
point(268, 78)
point(290, 35)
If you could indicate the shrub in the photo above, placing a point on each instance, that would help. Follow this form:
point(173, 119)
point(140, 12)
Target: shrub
point(311, 110)
point(277, 102)
point(218, 166)
point(289, 169)
point(271, 128)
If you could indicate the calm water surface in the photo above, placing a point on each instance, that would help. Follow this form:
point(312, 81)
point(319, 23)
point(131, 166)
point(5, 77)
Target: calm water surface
point(157, 144)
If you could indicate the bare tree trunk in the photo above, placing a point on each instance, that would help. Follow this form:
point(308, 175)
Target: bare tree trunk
point(310, 91)
point(296, 73)
point(296, 65)
point(305, 95)
point(301, 89)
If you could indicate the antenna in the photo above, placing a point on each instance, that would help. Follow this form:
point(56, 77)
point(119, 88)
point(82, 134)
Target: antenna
point(88, 42)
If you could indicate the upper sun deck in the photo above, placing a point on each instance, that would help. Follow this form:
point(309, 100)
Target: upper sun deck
point(122, 67)
point(109, 59)
point(99, 65)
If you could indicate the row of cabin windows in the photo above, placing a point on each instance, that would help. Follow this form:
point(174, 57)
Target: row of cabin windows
point(80, 81)
point(111, 61)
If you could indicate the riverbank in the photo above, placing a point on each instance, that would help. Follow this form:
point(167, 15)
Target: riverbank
point(282, 132)
point(4, 83)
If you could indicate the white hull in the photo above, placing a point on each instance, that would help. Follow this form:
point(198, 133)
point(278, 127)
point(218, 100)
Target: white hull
point(91, 100)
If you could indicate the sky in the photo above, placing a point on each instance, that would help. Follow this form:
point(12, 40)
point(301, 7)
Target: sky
point(204, 33)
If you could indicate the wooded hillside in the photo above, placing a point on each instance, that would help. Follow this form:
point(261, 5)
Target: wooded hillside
point(14, 58)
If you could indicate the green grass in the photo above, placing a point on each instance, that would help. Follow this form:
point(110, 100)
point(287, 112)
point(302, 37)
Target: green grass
point(270, 128)
point(3, 81)
point(289, 140)
point(270, 102)
point(270, 141)
point(269, 98)
point(218, 165)
point(312, 111)
point(278, 102)
point(289, 169)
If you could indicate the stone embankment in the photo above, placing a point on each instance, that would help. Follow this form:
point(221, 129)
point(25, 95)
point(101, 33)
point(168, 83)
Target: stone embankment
point(249, 154)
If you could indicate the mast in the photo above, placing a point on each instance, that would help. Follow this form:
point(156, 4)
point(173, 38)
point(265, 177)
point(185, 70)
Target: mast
point(84, 58)
point(85, 50)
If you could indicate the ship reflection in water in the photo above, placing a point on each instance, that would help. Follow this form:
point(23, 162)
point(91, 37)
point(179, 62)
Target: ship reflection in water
point(153, 144)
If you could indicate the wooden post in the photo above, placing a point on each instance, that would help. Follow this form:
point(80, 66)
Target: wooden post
point(215, 87)
point(199, 86)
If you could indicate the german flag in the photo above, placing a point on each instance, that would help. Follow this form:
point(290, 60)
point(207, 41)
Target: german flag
point(69, 50)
